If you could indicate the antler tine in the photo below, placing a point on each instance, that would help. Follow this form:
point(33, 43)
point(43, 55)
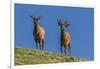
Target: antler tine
point(39, 17)
point(59, 21)
point(32, 17)
point(66, 22)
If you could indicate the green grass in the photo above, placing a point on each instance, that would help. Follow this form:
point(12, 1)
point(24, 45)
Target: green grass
point(25, 56)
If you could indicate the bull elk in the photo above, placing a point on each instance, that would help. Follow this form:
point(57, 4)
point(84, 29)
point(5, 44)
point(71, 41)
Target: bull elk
point(38, 33)
point(65, 38)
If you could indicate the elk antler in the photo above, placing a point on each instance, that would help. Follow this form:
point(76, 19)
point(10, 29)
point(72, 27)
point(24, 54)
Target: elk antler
point(66, 23)
point(32, 17)
point(59, 21)
point(39, 17)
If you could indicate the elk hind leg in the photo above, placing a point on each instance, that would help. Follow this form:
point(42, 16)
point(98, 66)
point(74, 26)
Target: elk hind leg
point(42, 44)
point(69, 48)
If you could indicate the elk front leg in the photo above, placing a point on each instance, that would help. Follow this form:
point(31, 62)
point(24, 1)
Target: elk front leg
point(65, 49)
point(36, 44)
point(40, 44)
point(61, 48)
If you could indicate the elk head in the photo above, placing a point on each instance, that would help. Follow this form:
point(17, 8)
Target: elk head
point(63, 24)
point(36, 20)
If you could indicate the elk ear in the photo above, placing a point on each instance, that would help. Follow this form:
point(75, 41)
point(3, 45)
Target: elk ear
point(32, 17)
point(39, 17)
point(59, 21)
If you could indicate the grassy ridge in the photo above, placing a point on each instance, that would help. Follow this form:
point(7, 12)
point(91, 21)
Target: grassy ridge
point(24, 56)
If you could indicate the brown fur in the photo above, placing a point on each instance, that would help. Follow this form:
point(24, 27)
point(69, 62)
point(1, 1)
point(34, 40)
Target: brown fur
point(65, 39)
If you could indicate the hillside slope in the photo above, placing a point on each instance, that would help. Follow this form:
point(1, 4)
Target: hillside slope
point(25, 56)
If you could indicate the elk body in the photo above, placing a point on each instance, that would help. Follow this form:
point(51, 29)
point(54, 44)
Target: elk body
point(64, 36)
point(38, 33)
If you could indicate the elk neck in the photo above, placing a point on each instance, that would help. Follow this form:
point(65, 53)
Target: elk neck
point(62, 33)
point(36, 26)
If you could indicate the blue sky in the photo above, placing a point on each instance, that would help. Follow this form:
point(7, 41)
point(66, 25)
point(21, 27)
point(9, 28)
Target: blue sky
point(81, 28)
